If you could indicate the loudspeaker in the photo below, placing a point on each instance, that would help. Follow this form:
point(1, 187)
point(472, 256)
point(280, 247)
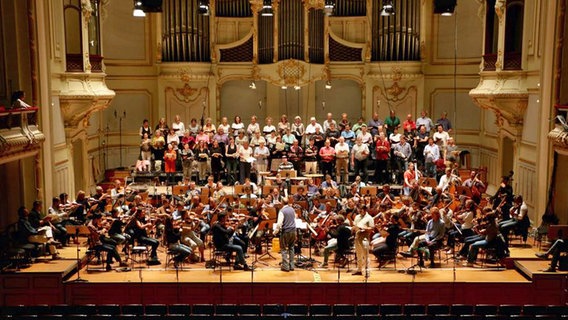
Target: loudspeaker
point(152, 5)
point(444, 6)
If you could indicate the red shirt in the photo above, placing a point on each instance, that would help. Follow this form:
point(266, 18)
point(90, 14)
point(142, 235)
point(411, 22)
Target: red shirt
point(410, 123)
point(327, 154)
point(382, 153)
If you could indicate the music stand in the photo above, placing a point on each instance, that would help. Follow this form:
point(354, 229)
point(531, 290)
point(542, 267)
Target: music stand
point(368, 191)
point(287, 173)
point(266, 226)
point(78, 230)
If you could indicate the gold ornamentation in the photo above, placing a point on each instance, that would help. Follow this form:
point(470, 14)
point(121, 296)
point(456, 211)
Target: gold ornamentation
point(500, 6)
point(186, 92)
point(291, 72)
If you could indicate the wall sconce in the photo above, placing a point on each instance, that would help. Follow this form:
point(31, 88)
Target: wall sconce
point(266, 8)
point(252, 85)
point(445, 8)
point(328, 85)
point(328, 7)
point(137, 11)
point(203, 7)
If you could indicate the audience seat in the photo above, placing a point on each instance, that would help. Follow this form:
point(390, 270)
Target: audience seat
point(225, 309)
point(297, 309)
point(509, 309)
point(183, 309)
point(157, 309)
point(203, 309)
point(110, 309)
point(320, 310)
point(249, 310)
point(486, 309)
point(272, 309)
point(135, 309)
point(414, 309)
point(368, 310)
point(386, 309)
point(437, 309)
point(462, 309)
point(343, 309)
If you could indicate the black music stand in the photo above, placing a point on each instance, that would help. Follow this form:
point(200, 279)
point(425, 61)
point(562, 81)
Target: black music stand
point(266, 226)
point(368, 191)
point(78, 230)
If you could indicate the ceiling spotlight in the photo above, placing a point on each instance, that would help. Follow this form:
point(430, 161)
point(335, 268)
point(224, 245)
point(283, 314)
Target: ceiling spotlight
point(252, 85)
point(266, 8)
point(284, 87)
point(297, 87)
point(138, 12)
point(328, 85)
point(328, 7)
point(203, 7)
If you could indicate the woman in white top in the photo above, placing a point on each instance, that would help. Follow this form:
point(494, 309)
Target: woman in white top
point(245, 156)
point(298, 128)
point(209, 128)
point(253, 126)
point(261, 153)
point(269, 127)
point(237, 125)
point(224, 125)
point(194, 127)
point(178, 126)
point(173, 137)
point(283, 124)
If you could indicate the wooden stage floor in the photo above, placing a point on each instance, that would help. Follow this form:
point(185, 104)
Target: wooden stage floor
point(267, 270)
point(519, 282)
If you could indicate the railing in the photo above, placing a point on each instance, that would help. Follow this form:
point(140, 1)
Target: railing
point(512, 61)
point(74, 62)
point(13, 118)
point(489, 61)
point(96, 63)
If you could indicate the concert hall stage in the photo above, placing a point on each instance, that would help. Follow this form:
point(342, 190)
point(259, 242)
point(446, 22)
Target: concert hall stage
point(52, 282)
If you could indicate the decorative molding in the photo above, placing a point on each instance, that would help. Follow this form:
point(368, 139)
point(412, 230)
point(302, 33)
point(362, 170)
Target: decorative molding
point(187, 93)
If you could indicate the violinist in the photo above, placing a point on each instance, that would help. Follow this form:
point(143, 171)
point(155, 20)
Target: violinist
point(390, 241)
point(299, 195)
point(115, 230)
point(172, 238)
point(519, 220)
point(490, 234)
point(435, 232)
point(340, 240)
point(138, 229)
point(222, 232)
point(95, 242)
point(503, 198)
point(465, 225)
point(479, 223)
point(386, 197)
point(188, 236)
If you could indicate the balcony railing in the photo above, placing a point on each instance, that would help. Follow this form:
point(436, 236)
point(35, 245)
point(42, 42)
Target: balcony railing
point(512, 61)
point(489, 61)
point(19, 133)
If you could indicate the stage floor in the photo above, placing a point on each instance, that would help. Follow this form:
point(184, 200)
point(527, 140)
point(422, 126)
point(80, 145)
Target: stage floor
point(267, 270)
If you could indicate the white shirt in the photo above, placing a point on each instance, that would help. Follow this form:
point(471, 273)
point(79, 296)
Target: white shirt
point(467, 218)
point(441, 136)
point(364, 222)
point(261, 154)
point(252, 128)
point(311, 128)
point(431, 153)
point(179, 128)
point(367, 137)
point(360, 152)
point(327, 124)
point(342, 147)
point(244, 154)
point(426, 122)
point(445, 181)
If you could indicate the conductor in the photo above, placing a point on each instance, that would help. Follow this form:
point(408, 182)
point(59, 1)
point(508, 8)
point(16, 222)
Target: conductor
point(286, 225)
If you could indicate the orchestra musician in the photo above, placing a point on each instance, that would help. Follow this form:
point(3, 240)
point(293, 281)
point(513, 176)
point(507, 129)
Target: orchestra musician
point(435, 232)
point(518, 220)
point(222, 232)
point(97, 231)
point(340, 240)
point(172, 238)
point(503, 198)
point(390, 241)
point(489, 234)
point(28, 234)
point(476, 185)
point(363, 224)
point(115, 231)
point(465, 225)
point(137, 228)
